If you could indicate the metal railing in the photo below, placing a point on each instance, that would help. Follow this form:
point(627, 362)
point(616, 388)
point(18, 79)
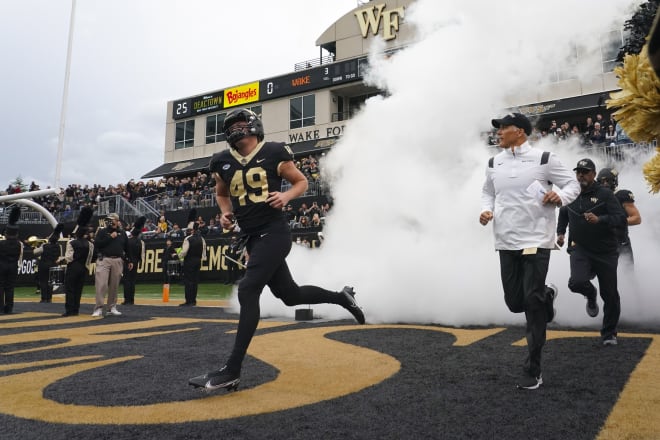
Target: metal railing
point(304, 65)
point(314, 188)
point(623, 153)
point(341, 116)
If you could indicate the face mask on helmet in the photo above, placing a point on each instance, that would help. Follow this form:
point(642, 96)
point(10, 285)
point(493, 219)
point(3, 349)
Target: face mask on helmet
point(253, 126)
point(608, 177)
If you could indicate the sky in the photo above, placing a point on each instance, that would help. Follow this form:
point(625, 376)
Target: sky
point(404, 228)
point(128, 59)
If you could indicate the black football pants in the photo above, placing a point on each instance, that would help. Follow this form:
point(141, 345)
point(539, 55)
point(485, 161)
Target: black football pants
point(267, 267)
point(523, 280)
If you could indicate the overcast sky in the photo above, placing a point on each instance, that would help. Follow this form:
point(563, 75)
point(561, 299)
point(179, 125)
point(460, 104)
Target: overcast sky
point(129, 58)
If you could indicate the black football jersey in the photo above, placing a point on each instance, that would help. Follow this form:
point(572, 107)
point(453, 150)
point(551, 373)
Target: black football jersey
point(249, 180)
point(624, 196)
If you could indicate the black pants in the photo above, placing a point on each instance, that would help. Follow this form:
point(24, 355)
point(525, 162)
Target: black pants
point(191, 267)
point(130, 275)
point(74, 281)
point(584, 265)
point(523, 280)
point(267, 266)
point(44, 283)
point(8, 275)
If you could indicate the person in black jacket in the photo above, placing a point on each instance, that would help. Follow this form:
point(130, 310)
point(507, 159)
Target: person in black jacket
point(78, 256)
point(193, 252)
point(48, 253)
point(593, 246)
point(136, 245)
point(609, 178)
point(11, 255)
point(112, 245)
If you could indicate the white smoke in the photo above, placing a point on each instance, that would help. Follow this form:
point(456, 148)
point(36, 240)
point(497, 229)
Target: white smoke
point(407, 175)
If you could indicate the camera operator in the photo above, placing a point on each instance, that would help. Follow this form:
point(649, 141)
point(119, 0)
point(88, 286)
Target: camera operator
point(113, 250)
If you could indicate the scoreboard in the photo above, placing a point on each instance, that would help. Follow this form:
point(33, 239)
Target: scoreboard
point(197, 105)
point(312, 79)
point(285, 85)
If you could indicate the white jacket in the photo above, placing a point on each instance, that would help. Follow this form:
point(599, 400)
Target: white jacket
point(520, 220)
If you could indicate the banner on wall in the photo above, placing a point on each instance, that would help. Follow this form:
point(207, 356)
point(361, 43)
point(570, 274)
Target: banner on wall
point(151, 269)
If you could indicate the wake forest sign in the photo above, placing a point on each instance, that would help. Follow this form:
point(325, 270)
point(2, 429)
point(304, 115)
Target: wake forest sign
point(372, 17)
point(330, 131)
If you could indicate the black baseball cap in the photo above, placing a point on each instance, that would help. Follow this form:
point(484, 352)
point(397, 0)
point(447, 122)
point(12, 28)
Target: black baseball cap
point(516, 119)
point(585, 164)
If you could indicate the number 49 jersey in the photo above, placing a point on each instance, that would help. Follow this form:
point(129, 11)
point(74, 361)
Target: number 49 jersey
point(249, 180)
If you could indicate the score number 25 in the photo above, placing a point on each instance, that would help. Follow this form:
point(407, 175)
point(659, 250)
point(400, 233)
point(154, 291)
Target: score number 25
point(181, 108)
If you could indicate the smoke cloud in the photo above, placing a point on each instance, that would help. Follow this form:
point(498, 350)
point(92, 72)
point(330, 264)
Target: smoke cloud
point(406, 177)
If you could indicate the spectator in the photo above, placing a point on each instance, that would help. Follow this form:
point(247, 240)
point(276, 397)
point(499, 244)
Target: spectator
point(610, 134)
point(597, 135)
point(213, 227)
point(621, 136)
point(290, 215)
point(303, 222)
point(176, 233)
point(162, 228)
point(316, 221)
point(67, 214)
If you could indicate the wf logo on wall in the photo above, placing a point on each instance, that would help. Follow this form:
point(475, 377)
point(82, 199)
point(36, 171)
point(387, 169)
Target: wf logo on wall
point(370, 18)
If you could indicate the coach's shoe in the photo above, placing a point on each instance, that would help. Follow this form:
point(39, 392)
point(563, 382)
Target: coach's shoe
point(528, 382)
point(213, 380)
point(609, 340)
point(351, 305)
point(592, 306)
point(98, 312)
point(550, 310)
point(114, 312)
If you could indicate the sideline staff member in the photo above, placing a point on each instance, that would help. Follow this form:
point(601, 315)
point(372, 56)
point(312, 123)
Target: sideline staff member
point(592, 219)
point(518, 197)
point(78, 256)
point(11, 256)
point(193, 252)
point(248, 180)
point(138, 251)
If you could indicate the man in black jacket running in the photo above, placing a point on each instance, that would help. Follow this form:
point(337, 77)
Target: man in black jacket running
point(593, 246)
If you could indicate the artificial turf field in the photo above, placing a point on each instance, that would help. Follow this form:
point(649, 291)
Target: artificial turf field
point(126, 378)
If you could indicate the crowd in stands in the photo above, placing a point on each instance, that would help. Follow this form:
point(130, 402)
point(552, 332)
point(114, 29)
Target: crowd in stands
point(170, 194)
point(594, 132)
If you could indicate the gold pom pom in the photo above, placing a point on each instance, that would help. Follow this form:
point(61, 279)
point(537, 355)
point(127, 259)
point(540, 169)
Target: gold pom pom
point(651, 171)
point(638, 102)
